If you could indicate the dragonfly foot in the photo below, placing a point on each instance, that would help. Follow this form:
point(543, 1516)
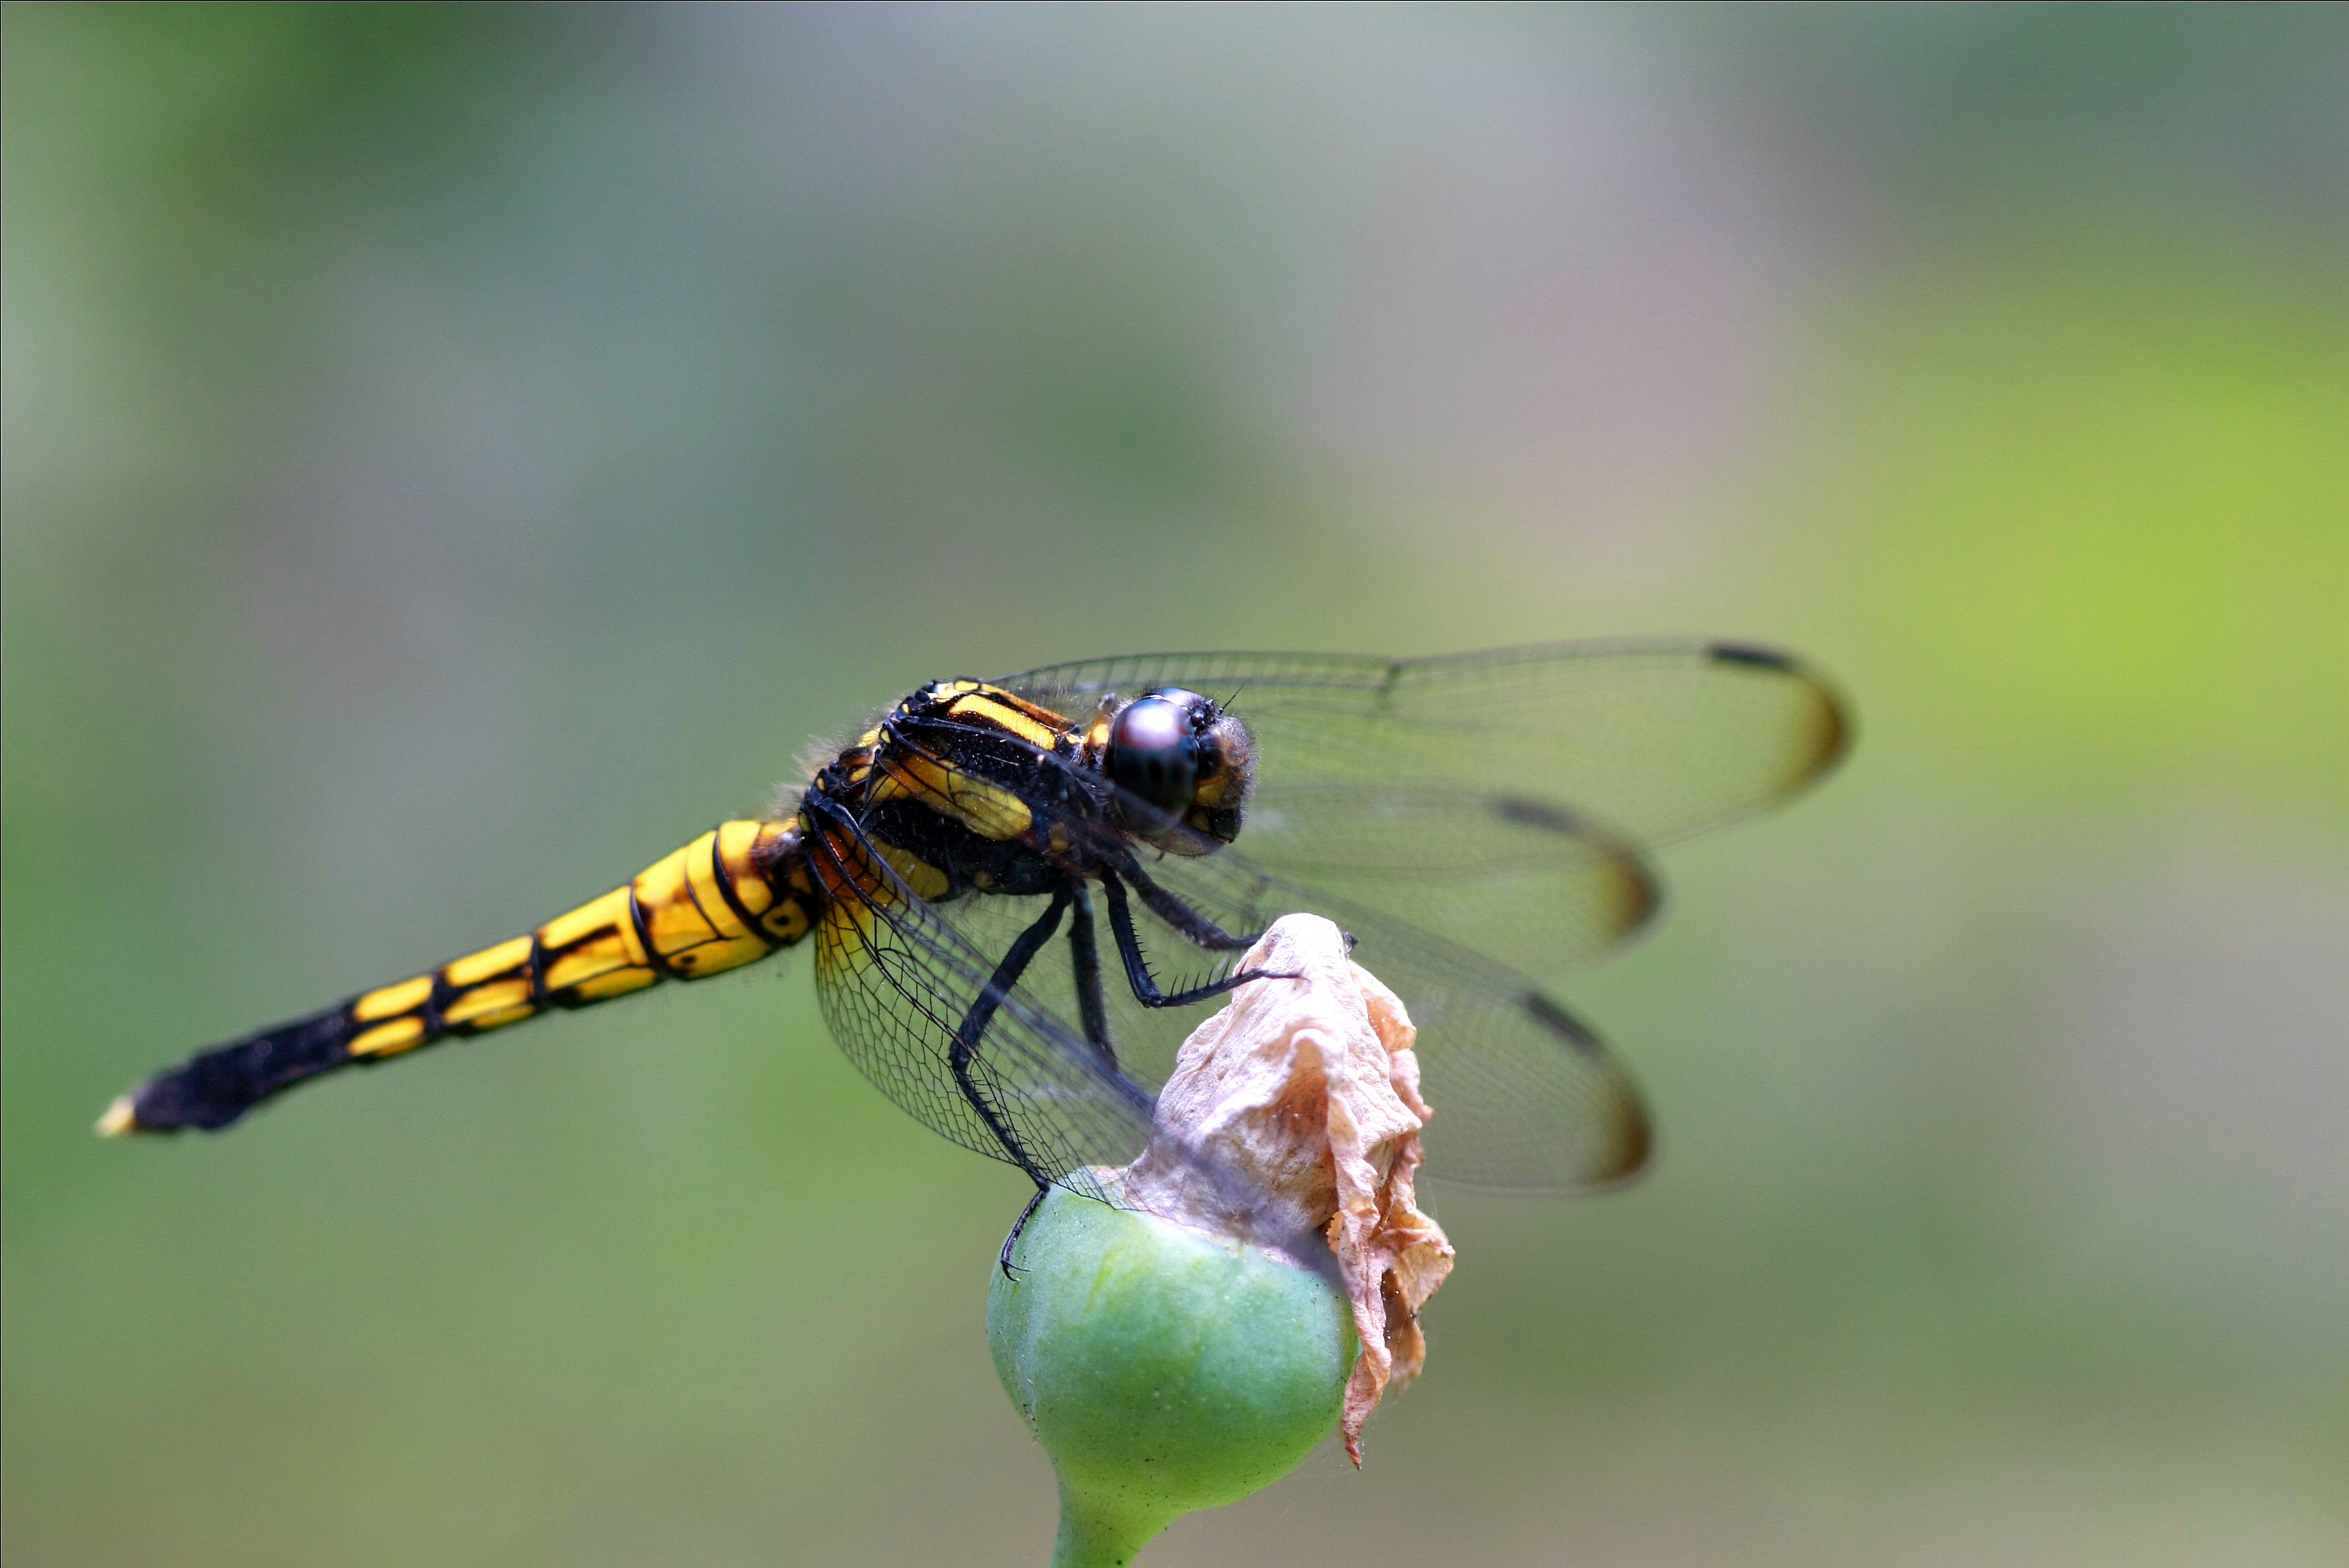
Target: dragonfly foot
point(1012, 1271)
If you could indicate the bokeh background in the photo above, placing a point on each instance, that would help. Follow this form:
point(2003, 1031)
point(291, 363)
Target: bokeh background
point(453, 455)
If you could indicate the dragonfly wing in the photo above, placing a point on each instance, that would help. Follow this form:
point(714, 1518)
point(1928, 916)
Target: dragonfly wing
point(1503, 799)
point(1522, 879)
point(895, 981)
point(1656, 738)
point(1526, 1098)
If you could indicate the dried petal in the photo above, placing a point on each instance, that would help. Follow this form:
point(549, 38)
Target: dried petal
point(1292, 1119)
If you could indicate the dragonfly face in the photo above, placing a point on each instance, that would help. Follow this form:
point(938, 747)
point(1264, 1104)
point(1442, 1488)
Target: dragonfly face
point(1180, 763)
point(1480, 824)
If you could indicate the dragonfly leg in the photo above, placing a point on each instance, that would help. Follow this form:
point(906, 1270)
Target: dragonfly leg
point(1170, 908)
point(1137, 968)
point(982, 1012)
point(1084, 957)
point(1003, 1258)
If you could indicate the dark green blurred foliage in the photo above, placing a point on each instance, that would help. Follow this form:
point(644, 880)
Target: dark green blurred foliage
point(452, 455)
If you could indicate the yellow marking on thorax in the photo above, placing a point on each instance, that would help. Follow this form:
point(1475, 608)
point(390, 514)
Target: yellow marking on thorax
point(924, 878)
point(1058, 721)
point(1038, 726)
point(988, 809)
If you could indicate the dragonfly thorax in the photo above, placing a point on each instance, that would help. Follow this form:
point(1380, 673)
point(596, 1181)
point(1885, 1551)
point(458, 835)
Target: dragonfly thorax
point(973, 788)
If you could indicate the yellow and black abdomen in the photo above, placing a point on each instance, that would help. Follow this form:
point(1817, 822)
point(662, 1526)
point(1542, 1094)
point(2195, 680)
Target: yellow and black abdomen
point(733, 895)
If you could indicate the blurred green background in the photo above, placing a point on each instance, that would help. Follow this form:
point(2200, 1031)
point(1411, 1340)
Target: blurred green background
point(454, 455)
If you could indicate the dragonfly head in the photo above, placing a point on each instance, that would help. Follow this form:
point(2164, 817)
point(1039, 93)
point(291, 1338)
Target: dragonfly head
point(1184, 768)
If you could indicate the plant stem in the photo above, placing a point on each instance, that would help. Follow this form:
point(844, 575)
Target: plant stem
point(1096, 1532)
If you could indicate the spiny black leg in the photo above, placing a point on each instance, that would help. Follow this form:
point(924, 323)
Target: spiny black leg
point(1085, 959)
point(1196, 927)
point(974, 1027)
point(1137, 968)
point(1003, 1258)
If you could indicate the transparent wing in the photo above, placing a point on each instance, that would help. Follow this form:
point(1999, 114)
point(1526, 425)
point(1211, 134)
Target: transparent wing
point(1497, 798)
point(895, 982)
point(1656, 738)
point(1526, 1098)
point(1520, 880)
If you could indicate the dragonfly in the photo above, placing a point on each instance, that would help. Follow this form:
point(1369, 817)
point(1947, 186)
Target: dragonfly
point(1021, 893)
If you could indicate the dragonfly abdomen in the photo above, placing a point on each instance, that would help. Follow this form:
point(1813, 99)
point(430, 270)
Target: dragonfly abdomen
point(730, 897)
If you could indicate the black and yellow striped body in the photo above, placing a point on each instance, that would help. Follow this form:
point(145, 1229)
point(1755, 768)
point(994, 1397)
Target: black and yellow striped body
point(704, 910)
point(732, 896)
point(962, 788)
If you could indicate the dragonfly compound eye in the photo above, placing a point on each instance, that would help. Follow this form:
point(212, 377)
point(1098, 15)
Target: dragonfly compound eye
point(1153, 751)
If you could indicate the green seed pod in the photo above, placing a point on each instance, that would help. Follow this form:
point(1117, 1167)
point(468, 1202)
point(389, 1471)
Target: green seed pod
point(1259, 1278)
point(1164, 1369)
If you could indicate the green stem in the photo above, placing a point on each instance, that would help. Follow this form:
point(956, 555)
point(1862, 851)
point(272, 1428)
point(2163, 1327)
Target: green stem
point(1095, 1533)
